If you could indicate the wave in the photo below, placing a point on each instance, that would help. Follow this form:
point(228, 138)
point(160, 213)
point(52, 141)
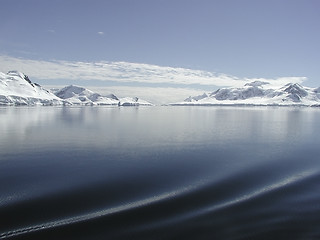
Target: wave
point(221, 208)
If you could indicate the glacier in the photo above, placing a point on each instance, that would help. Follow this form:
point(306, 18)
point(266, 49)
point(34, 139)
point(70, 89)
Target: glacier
point(258, 93)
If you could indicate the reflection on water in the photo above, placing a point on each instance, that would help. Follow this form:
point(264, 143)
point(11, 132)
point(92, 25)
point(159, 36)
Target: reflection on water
point(167, 126)
point(159, 172)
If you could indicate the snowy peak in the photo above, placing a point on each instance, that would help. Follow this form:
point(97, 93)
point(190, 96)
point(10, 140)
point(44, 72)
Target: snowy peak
point(83, 96)
point(20, 75)
point(295, 92)
point(237, 93)
point(76, 92)
point(15, 78)
point(17, 89)
point(70, 91)
point(258, 93)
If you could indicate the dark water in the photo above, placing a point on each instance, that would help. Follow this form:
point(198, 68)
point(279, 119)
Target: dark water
point(159, 173)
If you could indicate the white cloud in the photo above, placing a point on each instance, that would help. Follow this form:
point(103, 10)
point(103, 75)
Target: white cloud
point(101, 33)
point(125, 72)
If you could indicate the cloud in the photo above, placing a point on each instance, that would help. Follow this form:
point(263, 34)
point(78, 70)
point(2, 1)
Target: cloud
point(101, 33)
point(125, 72)
point(51, 31)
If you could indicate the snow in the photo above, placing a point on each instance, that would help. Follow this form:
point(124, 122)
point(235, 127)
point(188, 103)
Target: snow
point(17, 89)
point(133, 102)
point(81, 96)
point(258, 93)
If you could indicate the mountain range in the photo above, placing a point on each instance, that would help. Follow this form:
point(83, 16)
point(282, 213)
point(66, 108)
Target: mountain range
point(17, 89)
point(259, 93)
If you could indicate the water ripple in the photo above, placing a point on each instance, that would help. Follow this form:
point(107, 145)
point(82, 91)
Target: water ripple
point(178, 196)
point(102, 213)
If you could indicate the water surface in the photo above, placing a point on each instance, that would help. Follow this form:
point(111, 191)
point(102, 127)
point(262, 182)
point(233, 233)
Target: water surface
point(159, 173)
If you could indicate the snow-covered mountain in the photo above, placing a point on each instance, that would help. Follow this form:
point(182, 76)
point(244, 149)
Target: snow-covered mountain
point(17, 89)
point(82, 96)
point(259, 93)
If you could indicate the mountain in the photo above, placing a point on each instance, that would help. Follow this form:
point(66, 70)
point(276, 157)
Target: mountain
point(259, 93)
point(17, 89)
point(82, 96)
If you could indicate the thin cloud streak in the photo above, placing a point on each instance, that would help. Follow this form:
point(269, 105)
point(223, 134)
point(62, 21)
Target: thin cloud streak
point(125, 72)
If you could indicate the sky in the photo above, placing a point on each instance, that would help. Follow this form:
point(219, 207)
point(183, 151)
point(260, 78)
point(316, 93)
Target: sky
point(161, 49)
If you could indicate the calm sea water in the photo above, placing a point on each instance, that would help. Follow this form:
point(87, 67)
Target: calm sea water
point(159, 173)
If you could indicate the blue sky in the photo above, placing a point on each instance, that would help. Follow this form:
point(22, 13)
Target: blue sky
point(221, 40)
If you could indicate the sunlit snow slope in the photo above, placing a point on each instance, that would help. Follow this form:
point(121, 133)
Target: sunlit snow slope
point(17, 89)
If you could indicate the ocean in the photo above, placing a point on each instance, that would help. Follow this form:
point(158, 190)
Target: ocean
point(159, 172)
